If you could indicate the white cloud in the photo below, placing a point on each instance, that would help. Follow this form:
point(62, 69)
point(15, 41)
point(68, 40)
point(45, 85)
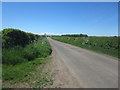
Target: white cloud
point(41, 33)
point(49, 33)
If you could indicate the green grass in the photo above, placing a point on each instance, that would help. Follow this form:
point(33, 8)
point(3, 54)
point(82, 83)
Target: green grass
point(105, 45)
point(18, 54)
point(13, 56)
point(27, 73)
point(19, 64)
point(18, 72)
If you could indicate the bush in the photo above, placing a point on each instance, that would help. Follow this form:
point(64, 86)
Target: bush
point(13, 37)
point(19, 46)
point(18, 54)
point(30, 52)
point(31, 37)
point(40, 48)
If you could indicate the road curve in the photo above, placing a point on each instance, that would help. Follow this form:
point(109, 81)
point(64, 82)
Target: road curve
point(91, 69)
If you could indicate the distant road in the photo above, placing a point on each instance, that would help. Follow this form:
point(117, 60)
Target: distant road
point(91, 69)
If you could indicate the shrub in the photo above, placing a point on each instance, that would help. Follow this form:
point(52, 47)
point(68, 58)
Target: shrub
point(18, 54)
point(13, 37)
point(31, 37)
point(19, 46)
point(30, 52)
point(40, 48)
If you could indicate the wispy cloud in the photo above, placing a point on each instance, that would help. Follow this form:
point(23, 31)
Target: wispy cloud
point(49, 33)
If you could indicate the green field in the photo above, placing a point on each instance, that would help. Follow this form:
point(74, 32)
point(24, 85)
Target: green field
point(105, 45)
point(22, 53)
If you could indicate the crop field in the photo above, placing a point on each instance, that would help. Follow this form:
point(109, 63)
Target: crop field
point(21, 54)
point(106, 45)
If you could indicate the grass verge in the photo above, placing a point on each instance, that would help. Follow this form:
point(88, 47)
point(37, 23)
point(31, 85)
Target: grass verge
point(19, 65)
point(27, 75)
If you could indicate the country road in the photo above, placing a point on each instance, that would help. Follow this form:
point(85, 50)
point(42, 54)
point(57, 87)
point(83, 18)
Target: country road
point(85, 68)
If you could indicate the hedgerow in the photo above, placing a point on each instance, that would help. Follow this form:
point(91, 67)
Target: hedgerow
point(14, 37)
point(19, 46)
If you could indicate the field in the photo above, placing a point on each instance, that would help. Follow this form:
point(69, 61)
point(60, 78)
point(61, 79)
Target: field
point(22, 53)
point(25, 55)
point(105, 45)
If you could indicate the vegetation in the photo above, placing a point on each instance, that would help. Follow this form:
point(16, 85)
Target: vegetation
point(106, 45)
point(18, 54)
point(75, 35)
point(26, 73)
point(13, 37)
point(18, 72)
point(21, 53)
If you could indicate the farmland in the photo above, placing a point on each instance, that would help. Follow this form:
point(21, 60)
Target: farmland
point(25, 56)
point(106, 45)
point(22, 53)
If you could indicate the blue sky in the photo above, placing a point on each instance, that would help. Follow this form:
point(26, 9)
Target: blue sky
point(92, 18)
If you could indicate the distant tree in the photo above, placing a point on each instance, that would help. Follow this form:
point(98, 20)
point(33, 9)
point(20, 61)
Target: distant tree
point(75, 35)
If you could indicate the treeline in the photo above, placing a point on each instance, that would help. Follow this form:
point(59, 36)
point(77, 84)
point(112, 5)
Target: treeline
point(75, 35)
point(14, 37)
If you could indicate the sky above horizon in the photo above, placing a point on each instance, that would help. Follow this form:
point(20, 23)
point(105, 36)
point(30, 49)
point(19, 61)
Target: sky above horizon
point(91, 18)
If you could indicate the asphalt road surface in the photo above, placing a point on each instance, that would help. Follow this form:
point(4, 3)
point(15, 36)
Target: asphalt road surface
point(91, 69)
